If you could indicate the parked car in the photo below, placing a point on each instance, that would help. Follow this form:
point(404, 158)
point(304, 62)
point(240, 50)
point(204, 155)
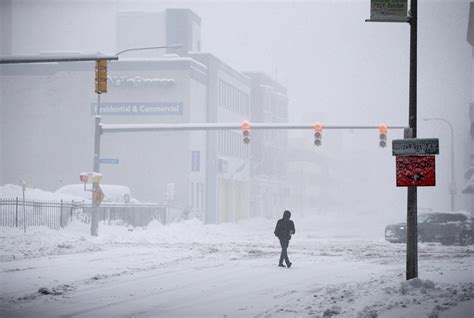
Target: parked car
point(446, 228)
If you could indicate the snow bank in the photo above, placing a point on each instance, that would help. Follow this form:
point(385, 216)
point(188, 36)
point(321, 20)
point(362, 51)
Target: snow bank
point(11, 191)
point(69, 193)
point(40, 241)
point(113, 193)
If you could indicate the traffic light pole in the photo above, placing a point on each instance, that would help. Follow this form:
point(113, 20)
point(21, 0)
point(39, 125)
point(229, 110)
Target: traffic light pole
point(119, 128)
point(412, 212)
point(96, 168)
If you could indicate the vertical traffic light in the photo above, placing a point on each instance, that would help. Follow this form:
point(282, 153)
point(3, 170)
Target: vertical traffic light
point(101, 76)
point(246, 132)
point(318, 130)
point(383, 135)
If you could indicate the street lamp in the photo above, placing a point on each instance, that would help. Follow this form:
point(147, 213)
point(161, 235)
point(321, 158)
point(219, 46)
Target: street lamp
point(452, 185)
point(171, 46)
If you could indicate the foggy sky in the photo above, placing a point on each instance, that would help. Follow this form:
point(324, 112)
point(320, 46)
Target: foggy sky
point(352, 72)
point(338, 69)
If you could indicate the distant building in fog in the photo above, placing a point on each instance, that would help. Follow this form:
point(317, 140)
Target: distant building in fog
point(48, 111)
point(269, 186)
point(469, 174)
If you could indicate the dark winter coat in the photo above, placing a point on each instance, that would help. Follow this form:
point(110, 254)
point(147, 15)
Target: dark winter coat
point(285, 227)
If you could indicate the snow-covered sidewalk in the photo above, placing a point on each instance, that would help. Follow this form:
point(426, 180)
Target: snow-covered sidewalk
point(194, 270)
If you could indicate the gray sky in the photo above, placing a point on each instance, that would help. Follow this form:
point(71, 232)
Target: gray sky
point(338, 69)
point(352, 72)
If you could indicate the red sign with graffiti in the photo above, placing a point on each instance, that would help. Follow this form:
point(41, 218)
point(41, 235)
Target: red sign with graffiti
point(416, 171)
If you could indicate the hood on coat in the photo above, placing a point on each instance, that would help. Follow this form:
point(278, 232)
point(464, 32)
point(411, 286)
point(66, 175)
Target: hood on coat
point(286, 215)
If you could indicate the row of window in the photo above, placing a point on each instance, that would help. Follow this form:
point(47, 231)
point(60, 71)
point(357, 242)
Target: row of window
point(232, 98)
point(229, 143)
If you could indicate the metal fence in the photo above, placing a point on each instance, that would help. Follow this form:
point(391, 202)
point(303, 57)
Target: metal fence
point(57, 214)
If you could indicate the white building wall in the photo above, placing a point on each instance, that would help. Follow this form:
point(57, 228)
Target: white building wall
point(197, 147)
point(43, 114)
point(51, 124)
point(145, 161)
point(234, 182)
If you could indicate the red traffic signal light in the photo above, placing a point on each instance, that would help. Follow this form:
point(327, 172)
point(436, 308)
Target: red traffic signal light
point(318, 134)
point(246, 131)
point(383, 135)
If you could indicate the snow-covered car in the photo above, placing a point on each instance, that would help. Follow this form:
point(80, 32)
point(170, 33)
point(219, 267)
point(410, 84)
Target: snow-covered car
point(113, 193)
point(446, 228)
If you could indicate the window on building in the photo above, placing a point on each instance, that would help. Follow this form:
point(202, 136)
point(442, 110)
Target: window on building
point(232, 98)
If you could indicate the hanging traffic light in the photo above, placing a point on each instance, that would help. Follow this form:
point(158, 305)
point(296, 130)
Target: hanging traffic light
point(246, 132)
point(383, 135)
point(101, 76)
point(318, 134)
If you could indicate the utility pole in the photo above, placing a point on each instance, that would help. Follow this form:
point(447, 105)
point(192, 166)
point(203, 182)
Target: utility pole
point(384, 11)
point(412, 213)
point(100, 88)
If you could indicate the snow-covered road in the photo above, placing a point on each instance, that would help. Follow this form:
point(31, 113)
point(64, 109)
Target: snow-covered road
point(231, 271)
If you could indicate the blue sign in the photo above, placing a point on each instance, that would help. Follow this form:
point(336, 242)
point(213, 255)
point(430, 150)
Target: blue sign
point(109, 161)
point(195, 160)
point(137, 108)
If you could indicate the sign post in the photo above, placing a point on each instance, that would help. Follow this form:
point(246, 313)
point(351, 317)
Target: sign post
point(415, 164)
point(396, 11)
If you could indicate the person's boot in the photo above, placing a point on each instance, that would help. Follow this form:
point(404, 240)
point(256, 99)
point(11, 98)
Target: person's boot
point(281, 265)
point(289, 265)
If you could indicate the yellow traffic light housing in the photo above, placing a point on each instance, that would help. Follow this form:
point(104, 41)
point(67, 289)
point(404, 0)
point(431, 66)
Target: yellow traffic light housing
point(101, 76)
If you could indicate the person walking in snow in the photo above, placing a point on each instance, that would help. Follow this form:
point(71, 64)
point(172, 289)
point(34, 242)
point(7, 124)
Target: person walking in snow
point(284, 229)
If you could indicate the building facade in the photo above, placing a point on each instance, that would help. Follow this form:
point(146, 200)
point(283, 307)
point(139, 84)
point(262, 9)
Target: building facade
point(469, 174)
point(269, 187)
point(228, 157)
point(48, 111)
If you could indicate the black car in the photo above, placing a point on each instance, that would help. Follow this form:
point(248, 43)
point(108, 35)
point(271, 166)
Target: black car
point(446, 228)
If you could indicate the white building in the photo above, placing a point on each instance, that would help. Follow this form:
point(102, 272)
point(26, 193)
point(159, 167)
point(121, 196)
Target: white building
point(47, 117)
point(269, 186)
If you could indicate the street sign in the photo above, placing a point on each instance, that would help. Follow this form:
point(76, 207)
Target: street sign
point(415, 147)
point(415, 171)
point(388, 9)
point(109, 161)
point(98, 195)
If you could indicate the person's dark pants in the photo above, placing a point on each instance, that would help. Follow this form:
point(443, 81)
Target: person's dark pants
point(284, 251)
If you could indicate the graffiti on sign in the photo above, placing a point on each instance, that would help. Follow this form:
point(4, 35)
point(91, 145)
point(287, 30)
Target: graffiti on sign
point(416, 171)
point(415, 147)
